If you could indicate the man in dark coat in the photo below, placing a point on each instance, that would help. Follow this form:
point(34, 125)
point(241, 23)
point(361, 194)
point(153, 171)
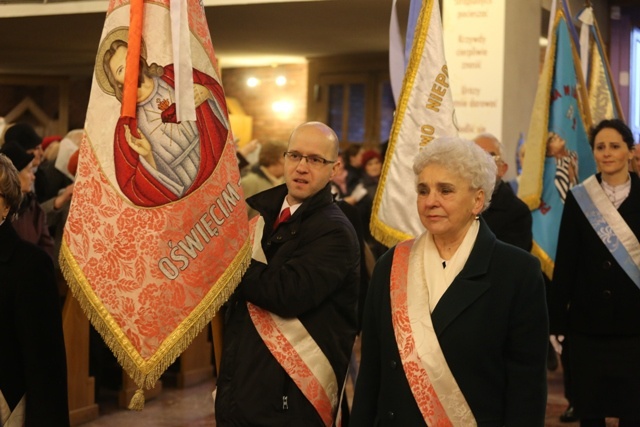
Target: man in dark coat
point(507, 216)
point(301, 288)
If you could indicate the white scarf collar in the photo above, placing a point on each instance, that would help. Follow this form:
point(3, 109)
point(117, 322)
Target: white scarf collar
point(439, 279)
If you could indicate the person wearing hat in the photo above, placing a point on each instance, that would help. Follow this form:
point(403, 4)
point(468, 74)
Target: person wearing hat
point(31, 224)
point(33, 370)
point(24, 135)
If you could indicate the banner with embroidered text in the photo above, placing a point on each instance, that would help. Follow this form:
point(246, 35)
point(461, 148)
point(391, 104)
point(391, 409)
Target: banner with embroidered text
point(424, 113)
point(157, 237)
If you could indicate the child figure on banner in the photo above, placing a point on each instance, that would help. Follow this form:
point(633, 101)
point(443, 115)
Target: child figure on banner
point(158, 159)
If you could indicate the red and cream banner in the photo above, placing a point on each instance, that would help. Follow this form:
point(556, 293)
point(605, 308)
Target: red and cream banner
point(157, 237)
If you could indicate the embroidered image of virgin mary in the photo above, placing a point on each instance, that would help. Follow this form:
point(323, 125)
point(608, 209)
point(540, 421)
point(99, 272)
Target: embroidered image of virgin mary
point(157, 159)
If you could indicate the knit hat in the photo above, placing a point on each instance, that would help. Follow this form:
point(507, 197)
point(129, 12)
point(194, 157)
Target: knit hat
point(24, 135)
point(370, 154)
point(17, 155)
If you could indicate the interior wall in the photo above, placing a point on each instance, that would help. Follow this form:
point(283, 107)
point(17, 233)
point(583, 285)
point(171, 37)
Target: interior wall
point(257, 102)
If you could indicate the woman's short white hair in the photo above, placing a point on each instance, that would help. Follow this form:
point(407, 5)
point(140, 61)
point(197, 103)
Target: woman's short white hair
point(461, 157)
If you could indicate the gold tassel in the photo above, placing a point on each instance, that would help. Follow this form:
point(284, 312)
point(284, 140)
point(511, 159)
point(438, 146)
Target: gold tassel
point(137, 401)
point(146, 373)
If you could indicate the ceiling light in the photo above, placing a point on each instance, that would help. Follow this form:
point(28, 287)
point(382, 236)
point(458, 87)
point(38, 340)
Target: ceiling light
point(281, 80)
point(252, 82)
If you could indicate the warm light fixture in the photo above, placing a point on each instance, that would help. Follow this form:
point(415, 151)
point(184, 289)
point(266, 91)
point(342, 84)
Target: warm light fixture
point(253, 82)
point(281, 80)
point(282, 107)
point(543, 42)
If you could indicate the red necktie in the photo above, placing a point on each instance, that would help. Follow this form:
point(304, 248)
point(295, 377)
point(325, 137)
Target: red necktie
point(284, 216)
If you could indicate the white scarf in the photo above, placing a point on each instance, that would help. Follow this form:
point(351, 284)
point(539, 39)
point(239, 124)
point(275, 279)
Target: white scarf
point(439, 279)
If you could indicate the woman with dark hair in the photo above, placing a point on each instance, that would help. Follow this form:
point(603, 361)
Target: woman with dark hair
point(33, 370)
point(596, 283)
point(31, 220)
point(352, 159)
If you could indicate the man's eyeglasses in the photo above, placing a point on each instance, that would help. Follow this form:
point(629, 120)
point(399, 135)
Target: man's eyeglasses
point(312, 160)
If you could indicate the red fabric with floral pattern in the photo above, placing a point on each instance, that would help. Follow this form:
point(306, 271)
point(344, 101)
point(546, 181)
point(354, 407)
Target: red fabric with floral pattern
point(421, 387)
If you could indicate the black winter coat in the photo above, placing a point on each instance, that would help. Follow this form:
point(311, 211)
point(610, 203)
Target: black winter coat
point(32, 355)
point(493, 329)
point(312, 274)
point(509, 217)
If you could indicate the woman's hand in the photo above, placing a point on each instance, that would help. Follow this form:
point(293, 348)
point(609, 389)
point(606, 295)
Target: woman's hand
point(556, 342)
point(142, 146)
point(63, 197)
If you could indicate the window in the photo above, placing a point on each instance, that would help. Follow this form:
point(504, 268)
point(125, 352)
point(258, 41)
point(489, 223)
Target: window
point(634, 85)
point(353, 96)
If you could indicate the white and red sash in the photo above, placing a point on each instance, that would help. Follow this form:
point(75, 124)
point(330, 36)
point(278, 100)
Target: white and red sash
point(432, 384)
point(296, 350)
point(13, 418)
point(299, 355)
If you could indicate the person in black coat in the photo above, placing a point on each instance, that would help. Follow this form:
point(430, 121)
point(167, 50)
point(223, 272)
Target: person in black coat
point(596, 283)
point(291, 323)
point(455, 324)
point(507, 216)
point(33, 373)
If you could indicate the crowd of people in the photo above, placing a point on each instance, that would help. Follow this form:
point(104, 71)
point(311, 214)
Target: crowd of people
point(455, 324)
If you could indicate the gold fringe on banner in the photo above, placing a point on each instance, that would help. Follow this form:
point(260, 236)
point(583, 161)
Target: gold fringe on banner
point(145, 373)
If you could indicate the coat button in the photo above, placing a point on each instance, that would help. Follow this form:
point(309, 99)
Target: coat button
point(393, 364)
point(390, 415)
point(606, 294)
point(606, 265)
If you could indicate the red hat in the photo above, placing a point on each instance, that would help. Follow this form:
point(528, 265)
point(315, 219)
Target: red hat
point(370, 154)
point(47, 140)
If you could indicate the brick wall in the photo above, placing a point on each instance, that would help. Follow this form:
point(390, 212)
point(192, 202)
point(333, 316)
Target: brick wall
point(258, 101)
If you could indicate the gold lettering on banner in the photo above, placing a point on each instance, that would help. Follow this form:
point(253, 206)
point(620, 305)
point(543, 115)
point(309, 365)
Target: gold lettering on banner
point(202, 232)
point(426, 135)
point(438, 90)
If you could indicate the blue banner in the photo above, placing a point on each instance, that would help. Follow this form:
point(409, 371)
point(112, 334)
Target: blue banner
point(568, 158)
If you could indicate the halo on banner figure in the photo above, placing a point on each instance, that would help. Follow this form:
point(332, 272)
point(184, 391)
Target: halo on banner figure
point(157, 158)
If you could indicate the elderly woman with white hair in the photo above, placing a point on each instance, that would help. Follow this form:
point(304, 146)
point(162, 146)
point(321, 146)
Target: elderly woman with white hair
point(455, 328)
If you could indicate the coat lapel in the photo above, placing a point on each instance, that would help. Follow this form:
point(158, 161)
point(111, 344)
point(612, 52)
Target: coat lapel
point(469, 285)
point(8, 238)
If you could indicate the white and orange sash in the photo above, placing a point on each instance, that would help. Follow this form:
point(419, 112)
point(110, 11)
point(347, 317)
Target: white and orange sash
point(296, 350)
point(433, 386)
point(299, 355)
point(13, 418)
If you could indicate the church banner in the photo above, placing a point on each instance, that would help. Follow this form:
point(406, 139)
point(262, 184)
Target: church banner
point(603, 97)
point(157, 237)
point(557, 153)
point(425, 112)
